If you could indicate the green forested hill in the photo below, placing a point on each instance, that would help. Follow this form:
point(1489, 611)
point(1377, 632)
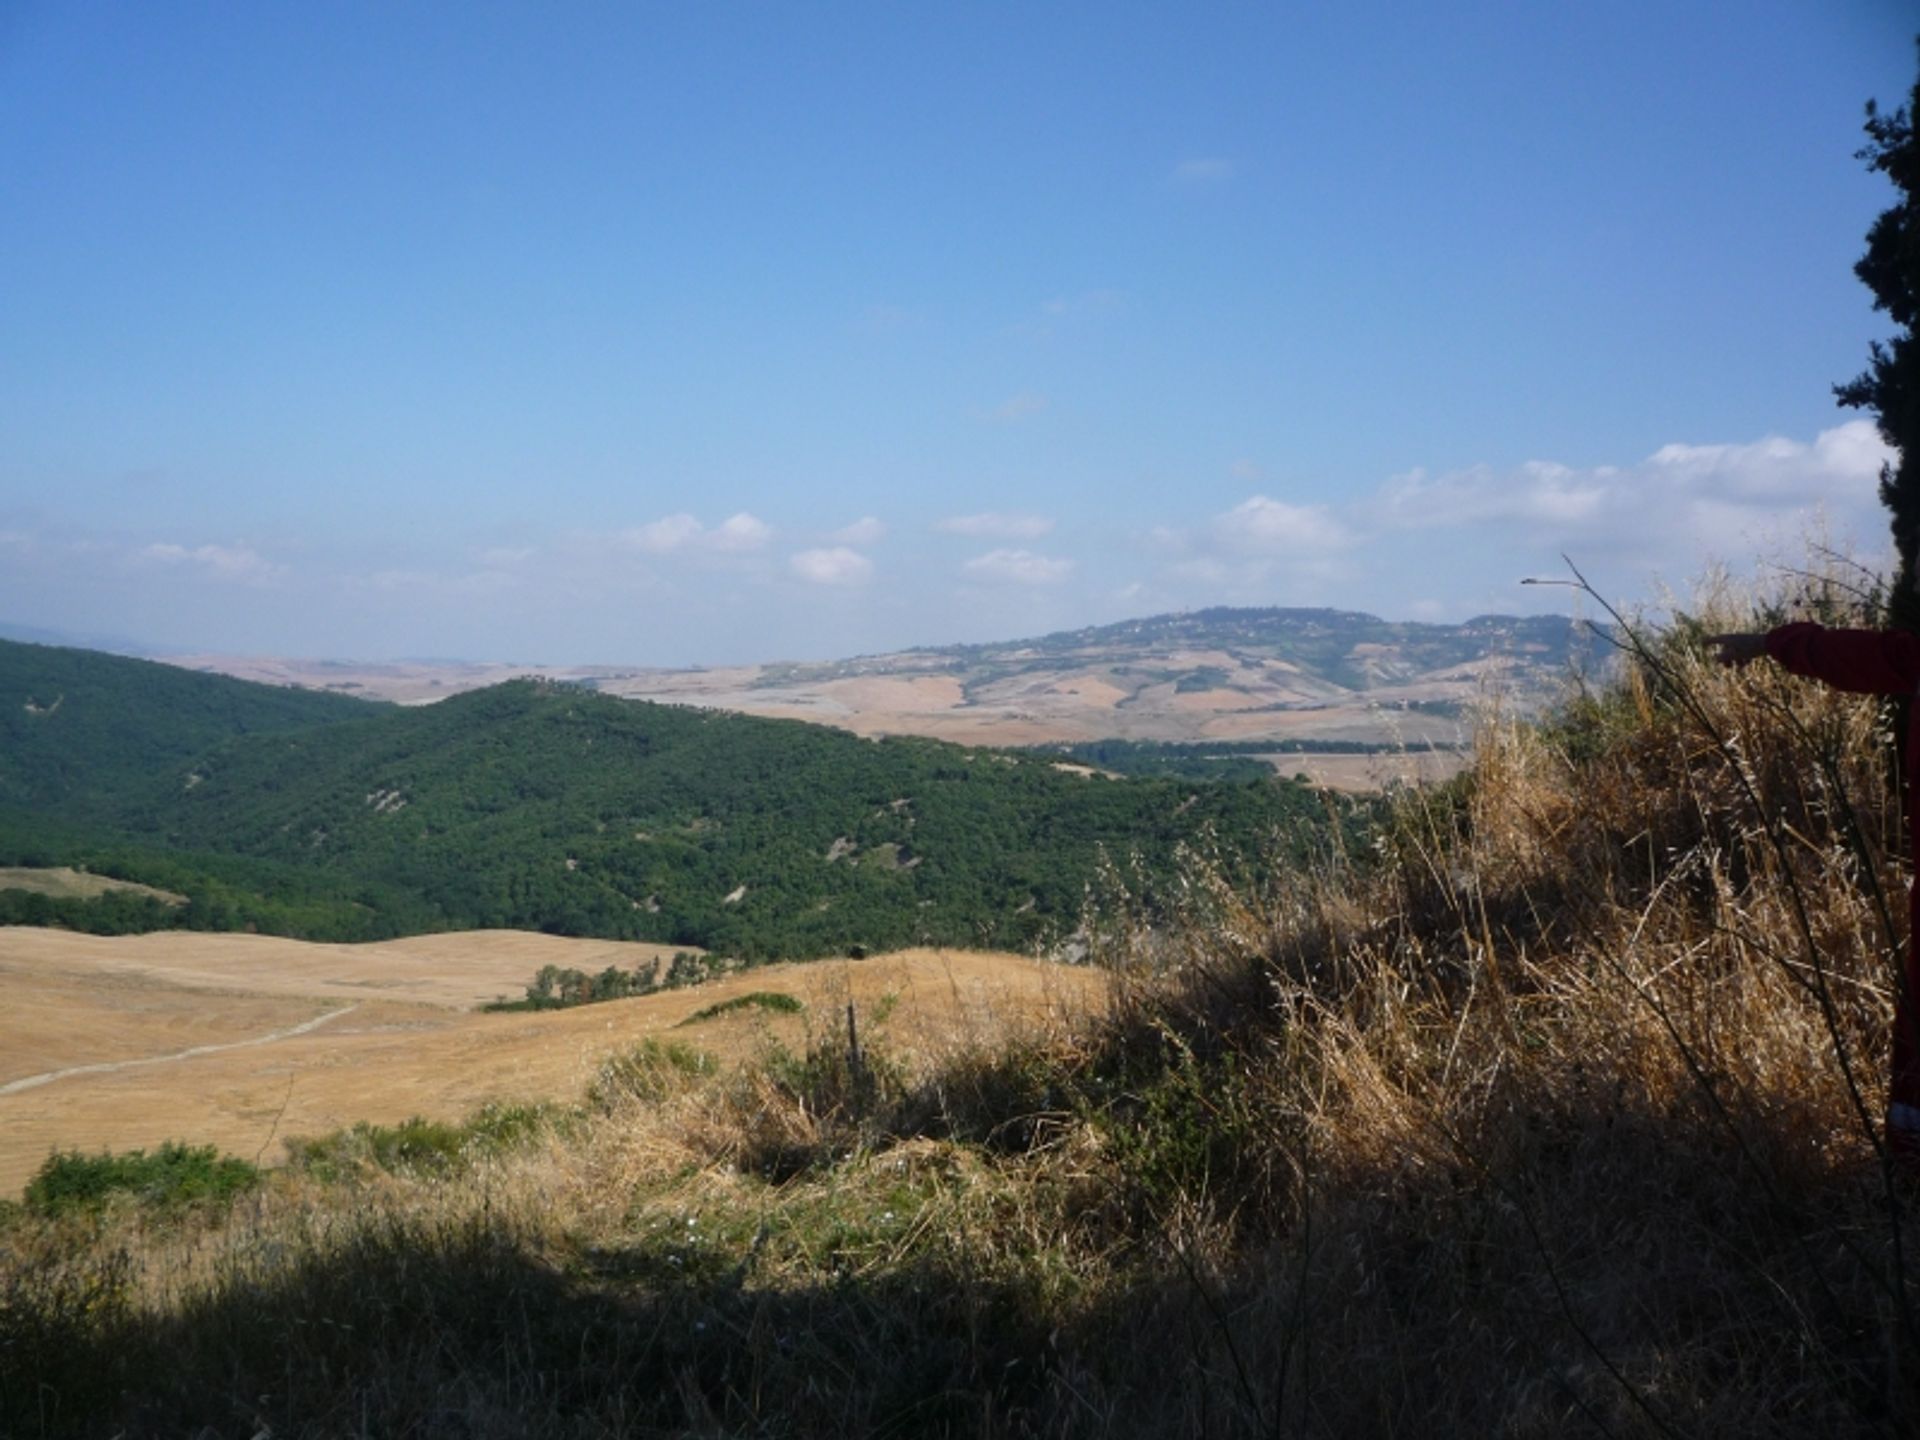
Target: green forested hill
point(79, 729)
point(549, 807)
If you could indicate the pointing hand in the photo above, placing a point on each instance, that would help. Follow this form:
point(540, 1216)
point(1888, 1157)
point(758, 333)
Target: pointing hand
point(1738, 649)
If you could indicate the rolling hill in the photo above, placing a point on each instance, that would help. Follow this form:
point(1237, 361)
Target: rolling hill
point(1208, 675)
point(536, 805)
point(79, 728)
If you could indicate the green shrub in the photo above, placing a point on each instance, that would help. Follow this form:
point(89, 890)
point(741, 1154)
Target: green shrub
point(650, 1071)
point(418, 1145)
point(172, 1178)
point(756, 1000)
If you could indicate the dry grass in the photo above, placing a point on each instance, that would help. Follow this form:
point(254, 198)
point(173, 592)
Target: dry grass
point(63, 882)
point(401, 1040)
point(1555, 1115)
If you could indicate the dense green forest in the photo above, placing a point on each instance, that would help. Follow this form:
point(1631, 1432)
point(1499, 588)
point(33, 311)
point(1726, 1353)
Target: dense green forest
point(80, 729)
point(541, 806)
point(1235, 760)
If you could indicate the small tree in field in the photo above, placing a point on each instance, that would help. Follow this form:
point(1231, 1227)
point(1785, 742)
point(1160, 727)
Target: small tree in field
point(1889, 388)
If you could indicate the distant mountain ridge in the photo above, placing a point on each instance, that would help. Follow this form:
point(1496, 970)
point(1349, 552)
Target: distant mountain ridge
point(1217, 674)
point(1322, 641)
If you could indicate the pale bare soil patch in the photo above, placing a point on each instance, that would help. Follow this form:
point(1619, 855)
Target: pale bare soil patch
point(1363, 774)
point(63, 882)
point(925, 694)
point(405, 1047)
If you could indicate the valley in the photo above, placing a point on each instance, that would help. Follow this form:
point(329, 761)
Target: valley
point(240, 1041)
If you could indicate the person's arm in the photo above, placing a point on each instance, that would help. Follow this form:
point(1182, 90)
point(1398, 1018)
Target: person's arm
point(1868, 662)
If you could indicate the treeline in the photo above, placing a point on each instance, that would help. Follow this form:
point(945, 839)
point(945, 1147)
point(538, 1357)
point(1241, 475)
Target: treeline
point(556, 987)
point(223, 892)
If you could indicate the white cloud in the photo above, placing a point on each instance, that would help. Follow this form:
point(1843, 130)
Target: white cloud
point(835, 566)
point(672, 533)
point(1204, 170)
point(864, 531)
point(1702, 498)
point(1018, 567)
point(739, 533)
point(224, 562)
point(665, 535)
point(997, 525)
point(1262, 526)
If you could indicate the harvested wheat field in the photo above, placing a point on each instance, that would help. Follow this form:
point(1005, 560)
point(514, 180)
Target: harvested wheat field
point(240, 1041)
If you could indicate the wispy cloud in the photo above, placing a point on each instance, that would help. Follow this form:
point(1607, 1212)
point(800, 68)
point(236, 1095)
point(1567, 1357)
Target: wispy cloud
point(665, 535)
point(681, 532)
point(1017, 567)
point(1263, 526)
point(865, 531)
point(1204, 170)
point(996, 525)
point(1707, 498)
point(240, 563)
point(834, 566)
point(1023, 406)
point(1089, 302)
point(887, 319)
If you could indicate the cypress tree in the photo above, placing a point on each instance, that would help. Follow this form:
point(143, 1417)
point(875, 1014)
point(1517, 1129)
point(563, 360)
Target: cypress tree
point(1889, 388)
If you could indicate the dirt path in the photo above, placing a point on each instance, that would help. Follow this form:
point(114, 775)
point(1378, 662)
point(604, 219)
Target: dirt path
point(107, 1066)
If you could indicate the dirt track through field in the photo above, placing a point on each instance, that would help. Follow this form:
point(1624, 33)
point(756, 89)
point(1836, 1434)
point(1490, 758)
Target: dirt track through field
point(105, 1067)
point(240, 1041)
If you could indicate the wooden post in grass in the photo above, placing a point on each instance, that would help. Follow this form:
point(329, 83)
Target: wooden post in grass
point(856, 1067)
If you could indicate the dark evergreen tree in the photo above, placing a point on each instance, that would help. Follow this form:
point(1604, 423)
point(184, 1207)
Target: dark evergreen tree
point(1889, 388)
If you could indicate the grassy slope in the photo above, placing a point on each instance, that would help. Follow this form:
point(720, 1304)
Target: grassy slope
point(1539, 1128)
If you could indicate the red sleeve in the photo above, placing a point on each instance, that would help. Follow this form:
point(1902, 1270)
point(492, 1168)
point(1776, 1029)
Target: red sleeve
point(1870, 662)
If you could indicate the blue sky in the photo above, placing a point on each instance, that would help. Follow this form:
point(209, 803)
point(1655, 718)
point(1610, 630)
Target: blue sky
point(682, 334)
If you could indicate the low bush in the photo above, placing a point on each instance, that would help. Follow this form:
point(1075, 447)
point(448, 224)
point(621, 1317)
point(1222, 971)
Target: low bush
point(649, 1072)
point(172, 1178)
point(771, 1000)
point(417, 1145)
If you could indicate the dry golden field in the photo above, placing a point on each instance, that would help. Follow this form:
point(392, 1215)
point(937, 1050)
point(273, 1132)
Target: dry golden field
point(240, 1041)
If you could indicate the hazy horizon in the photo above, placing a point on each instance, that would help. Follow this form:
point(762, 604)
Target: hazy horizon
point(698, 338)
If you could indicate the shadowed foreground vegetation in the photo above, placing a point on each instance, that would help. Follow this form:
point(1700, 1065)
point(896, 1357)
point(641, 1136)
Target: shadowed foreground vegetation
point(1552, 1112)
